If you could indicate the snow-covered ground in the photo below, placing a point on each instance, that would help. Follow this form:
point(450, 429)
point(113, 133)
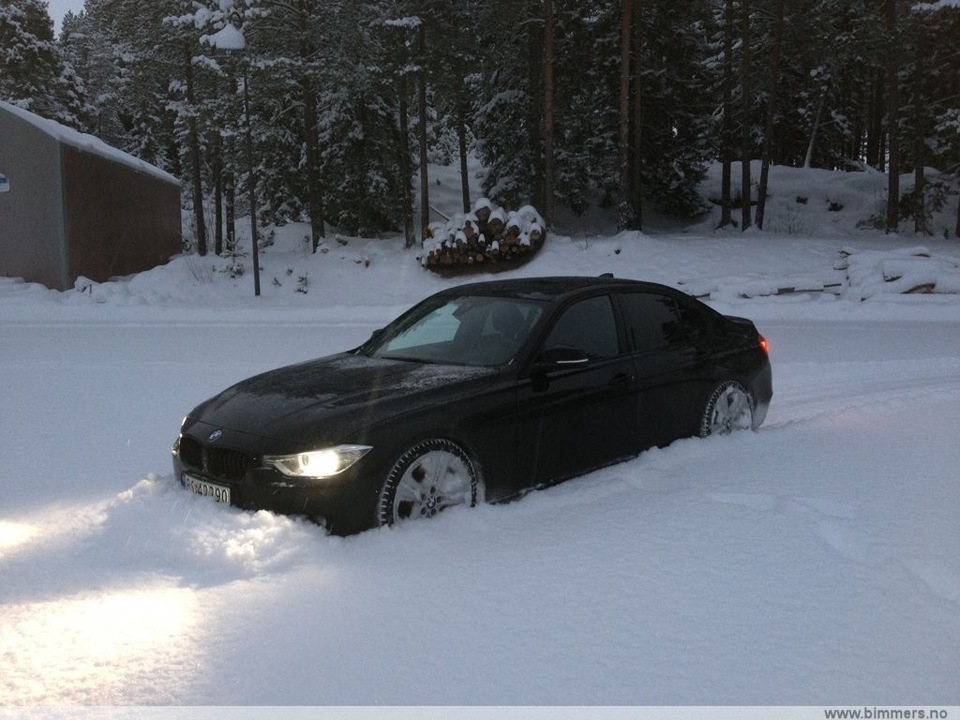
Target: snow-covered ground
point(814, 562)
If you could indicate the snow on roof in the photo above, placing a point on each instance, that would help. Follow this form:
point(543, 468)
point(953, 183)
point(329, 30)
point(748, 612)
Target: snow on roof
point(85, 142)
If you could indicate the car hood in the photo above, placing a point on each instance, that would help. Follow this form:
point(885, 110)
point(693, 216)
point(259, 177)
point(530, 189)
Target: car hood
point(332, 398)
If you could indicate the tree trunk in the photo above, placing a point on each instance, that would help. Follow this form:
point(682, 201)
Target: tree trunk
point(251, 184)
point(216, 170)
point(745, 70)
point(314, 179)
point(422, 103)
point(548, 91)
point(229, 185)
point(462, 146)
point(406, 171)
point(919, 146)
point(535, 68)
point(919, 189)
point(195, 159)
point(726, 139)
point(875, 157)
point(956, 230)
point(857, 142)
point(625, 215)
point(771, 104)
point(808, 158)
point(548, 110)
point(310, 130)
point(893, 113)
point(636, 125)
point(230, 210)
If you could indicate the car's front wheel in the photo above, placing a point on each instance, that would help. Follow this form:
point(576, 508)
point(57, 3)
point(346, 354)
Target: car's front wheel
point(429, 477)
point(729, 408)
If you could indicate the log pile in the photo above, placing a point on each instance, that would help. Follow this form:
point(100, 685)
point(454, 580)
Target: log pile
point(857, 275)
point(907, 271)
point(488, 239)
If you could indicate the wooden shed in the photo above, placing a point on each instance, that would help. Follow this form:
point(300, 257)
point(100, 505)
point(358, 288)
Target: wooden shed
point(71, 205)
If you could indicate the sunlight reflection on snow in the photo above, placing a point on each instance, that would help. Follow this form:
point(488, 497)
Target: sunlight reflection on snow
point(91, 647)
point(14, 534)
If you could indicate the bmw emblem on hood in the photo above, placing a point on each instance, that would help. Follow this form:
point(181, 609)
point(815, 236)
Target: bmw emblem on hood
point(215, 435)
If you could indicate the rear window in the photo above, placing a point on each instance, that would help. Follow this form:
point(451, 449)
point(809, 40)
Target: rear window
point(696, 317)
point(653, 320)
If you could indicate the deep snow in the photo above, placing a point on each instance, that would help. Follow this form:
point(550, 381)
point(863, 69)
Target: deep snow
point(814, 562)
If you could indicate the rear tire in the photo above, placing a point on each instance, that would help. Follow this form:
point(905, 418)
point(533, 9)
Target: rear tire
point(729, 408)
point(429, 477)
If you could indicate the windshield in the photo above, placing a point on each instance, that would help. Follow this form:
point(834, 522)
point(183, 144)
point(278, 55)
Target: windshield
point(460, 331)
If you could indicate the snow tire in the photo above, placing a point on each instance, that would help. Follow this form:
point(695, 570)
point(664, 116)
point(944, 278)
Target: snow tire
point(432, 475)
point(729, 407)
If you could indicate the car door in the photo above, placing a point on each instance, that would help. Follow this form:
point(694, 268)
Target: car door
point(669, 366)
point(580, 414)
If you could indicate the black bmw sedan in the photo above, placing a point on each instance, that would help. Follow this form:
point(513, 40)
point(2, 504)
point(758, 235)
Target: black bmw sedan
point(478, 393)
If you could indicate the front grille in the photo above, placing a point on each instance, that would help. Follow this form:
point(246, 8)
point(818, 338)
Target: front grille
point(216, 462)
point(226, 463)
point(191, 453)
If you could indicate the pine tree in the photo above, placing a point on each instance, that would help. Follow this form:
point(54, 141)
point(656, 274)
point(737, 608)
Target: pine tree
point(930, 91)
point(507, 118)
point(33, 74)
point(349, 100)
point(677, 121)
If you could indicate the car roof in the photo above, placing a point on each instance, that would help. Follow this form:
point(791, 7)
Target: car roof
point(550, 288)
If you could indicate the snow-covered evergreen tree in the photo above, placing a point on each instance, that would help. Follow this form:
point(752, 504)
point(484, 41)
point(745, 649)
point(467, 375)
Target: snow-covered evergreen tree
point(337, 92)
point(33, 74)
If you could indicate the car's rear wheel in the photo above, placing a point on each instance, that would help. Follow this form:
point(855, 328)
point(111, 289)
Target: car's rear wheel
point(729, 408)
point(429, 477)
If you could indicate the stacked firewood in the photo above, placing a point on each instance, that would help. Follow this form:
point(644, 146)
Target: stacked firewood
point(488, 238)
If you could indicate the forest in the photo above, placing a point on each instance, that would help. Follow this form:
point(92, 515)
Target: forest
point(331, 111)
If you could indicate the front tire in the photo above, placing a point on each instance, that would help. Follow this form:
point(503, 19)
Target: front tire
point(729, 408)
point(429, 477)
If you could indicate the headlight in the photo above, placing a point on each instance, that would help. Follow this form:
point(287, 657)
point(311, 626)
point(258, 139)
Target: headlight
point(176, 443)
point(318, 463)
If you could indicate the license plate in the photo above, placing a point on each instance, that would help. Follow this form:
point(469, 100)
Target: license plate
point(219, 493)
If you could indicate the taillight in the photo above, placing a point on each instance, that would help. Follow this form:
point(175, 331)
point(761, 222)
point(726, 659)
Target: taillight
point(764, 345)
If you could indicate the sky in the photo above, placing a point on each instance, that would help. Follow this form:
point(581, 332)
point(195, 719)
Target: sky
point(59, 8)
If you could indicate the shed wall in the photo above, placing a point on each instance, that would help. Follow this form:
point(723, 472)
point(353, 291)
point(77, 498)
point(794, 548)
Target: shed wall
point(31, 213)
point(118, 220)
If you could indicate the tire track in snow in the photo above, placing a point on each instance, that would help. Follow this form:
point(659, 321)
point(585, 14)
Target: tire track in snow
point(862, 548)
point(804, 391)
point(808, 391)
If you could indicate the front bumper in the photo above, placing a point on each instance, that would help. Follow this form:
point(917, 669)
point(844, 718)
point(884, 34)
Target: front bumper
point(344, 504)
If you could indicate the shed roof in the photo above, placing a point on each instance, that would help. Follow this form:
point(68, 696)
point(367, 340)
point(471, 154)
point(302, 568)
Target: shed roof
point(85, 142)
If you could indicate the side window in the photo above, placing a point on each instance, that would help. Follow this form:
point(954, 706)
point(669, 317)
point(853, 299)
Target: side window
point(653, 320)
point(589, 326)
point(696, 319)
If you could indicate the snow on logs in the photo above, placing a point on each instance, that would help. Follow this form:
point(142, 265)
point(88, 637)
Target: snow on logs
point(858, 275)
point(487, 239)
point(906, 271)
